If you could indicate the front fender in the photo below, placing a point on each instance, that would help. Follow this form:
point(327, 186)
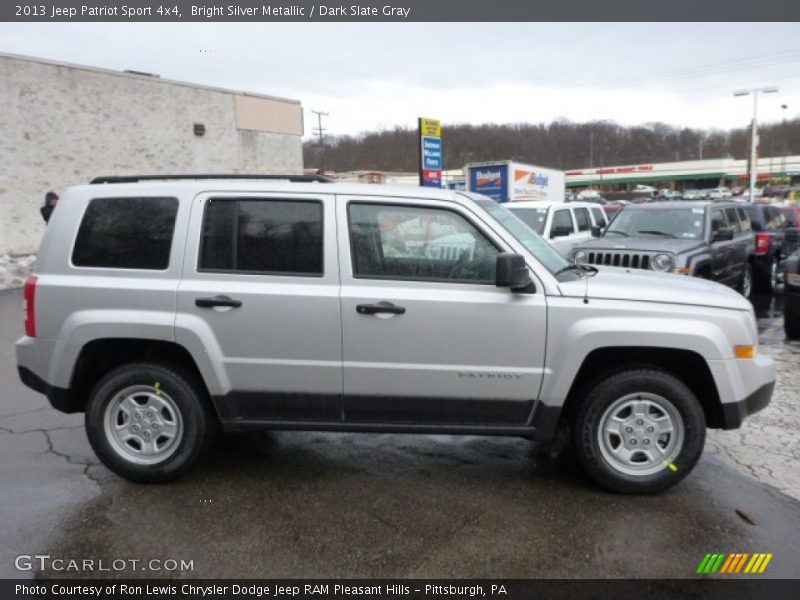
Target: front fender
point(576, 329)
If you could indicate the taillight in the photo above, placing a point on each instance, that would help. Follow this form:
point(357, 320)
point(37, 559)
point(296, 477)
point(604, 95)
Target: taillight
point(763, 241)
point(30, 306)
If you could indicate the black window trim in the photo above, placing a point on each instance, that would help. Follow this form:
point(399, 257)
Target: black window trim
point(74, 244)
point(235, 233)
point(413, 205)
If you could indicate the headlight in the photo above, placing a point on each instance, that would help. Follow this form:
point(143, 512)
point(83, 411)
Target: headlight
point(579, 256)
point(662, 262)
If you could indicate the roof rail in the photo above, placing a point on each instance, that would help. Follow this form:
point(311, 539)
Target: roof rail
point(137, 178)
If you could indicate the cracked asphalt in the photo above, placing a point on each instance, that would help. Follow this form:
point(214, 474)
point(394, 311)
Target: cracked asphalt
point(353, 505)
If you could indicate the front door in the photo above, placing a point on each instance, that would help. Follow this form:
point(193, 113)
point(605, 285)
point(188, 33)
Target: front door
point(426, 335)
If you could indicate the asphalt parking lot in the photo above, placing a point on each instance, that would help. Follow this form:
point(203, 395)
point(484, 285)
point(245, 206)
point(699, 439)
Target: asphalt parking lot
point(353, 505)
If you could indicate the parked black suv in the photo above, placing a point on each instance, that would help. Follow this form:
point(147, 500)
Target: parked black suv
point(712, 240)
point(773, 244)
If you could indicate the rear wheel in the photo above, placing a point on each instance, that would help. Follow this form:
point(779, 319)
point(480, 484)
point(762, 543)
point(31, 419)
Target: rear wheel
point(791, 318)
point(149, 423)
point(746, 281)
point(768, 278)
point(639, 431)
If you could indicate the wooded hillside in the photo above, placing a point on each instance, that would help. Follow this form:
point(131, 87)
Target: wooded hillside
point(561, 144)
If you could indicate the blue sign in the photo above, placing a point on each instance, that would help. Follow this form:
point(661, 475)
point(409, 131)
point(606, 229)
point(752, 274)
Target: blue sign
point(491, 180)
point(432, 153)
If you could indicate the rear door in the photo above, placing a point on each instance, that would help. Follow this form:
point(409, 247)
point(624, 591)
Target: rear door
point(260, 291)
point(427, 336)
point(739, 250)
point(721, 250)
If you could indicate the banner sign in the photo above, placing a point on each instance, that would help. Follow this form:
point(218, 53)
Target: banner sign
point(430, 153)
point(490, 180)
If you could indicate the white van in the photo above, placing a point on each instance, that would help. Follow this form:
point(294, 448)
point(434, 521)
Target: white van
point(564, 225)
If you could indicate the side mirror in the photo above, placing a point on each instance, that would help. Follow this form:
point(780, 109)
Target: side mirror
point(560, 232)
point(511, 272)
point(596, 231)
point(723, 235)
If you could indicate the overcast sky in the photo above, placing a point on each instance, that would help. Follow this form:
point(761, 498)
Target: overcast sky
point(371, 76)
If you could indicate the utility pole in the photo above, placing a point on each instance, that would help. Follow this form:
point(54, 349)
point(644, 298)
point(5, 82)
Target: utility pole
point(785, 137)
point(320, 132)
point(700, 146)
point(754, 133)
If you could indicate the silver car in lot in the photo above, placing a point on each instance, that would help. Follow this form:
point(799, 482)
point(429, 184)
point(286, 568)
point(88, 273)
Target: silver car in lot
point(167, 308)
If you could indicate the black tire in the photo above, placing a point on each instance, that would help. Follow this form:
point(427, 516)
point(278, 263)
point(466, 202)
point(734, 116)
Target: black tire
point(791, 322)
point(768, 279)
point(198, 422)
point(745, 285)
point(587, 422)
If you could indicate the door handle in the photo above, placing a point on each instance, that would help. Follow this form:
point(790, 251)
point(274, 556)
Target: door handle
point(217, 301)
point(380, 307)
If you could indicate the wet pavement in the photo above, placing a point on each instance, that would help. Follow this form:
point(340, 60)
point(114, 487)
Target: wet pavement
point(367, 505)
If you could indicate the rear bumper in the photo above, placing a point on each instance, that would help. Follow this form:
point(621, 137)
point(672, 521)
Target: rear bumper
point(60, 398)
point(734, 413)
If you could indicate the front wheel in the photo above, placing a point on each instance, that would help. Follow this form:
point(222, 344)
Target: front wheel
point(639, 431)
point(149, 423)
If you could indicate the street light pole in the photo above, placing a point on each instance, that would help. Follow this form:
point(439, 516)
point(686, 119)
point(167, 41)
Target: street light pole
point(754, 133)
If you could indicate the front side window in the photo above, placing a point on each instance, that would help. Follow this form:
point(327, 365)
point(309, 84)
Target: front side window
point(717, 221)
point(599, 218)
point(126, 233)
point(582, 217)
point(415, 243)
point(562, 223)
point(733, 220)
point(255, 235)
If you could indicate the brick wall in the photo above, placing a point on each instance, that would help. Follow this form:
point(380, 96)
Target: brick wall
point(63, 125)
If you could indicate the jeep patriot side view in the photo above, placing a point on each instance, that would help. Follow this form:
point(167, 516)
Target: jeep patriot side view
point(166, 308)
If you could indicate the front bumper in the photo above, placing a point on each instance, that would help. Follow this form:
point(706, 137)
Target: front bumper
point(734, 413)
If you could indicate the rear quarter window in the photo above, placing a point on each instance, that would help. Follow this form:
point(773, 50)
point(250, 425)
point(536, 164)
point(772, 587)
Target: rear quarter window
point(126, 233)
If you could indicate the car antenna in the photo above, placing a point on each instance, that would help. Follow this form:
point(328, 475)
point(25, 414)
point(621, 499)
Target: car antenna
point(586, 287)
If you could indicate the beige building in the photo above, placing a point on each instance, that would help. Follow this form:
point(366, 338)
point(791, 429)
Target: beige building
point(63, 124)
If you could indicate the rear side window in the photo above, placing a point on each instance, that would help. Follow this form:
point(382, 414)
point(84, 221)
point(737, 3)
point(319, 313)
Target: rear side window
point(744, 218)
point(262, 236)
point(126, 233)
point(582, 216)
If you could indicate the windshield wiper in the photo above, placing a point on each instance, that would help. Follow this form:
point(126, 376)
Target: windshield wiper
point(617, 231)
point(654, 232)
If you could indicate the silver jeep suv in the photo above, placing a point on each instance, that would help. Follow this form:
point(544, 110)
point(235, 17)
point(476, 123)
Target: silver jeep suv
point(166, 308)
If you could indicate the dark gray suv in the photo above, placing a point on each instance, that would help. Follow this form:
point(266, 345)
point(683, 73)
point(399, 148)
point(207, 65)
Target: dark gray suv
point(711, 240)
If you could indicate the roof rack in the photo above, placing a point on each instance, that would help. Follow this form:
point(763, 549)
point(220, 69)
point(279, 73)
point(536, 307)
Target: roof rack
point(137, 178)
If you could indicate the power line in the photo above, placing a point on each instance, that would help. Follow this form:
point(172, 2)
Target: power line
point(738, 64)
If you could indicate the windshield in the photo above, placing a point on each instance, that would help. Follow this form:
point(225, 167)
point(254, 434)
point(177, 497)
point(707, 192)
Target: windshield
point(532, 241)
point(532, 217)
point(682, 223)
